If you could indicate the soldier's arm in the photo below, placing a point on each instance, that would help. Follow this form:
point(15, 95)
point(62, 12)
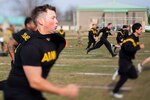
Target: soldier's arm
point(33, 71)
point(101, 30)
point(128, 46)
point(120, 36)
point(37, 82)
point(12, 43)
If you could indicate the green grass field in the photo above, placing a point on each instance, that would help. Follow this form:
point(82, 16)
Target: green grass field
point(73, 61)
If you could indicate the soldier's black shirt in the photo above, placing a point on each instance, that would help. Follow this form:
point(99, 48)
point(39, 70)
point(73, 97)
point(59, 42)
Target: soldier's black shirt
point(22, 35)
point(105, 32)
point(92, 32)
point(39, 51)
point(122, 35)
point(129, 47)
point(62, 33)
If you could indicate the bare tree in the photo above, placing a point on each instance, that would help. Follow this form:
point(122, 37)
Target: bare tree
point(25, 6)
point(69, 14)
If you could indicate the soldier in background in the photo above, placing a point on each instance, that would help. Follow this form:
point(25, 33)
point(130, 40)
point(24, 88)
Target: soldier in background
point(62, 32)
point(127, 53)
point(91, 36)
point(122, 34)
point(103, 40)
point(1, 39)
point(79, 37)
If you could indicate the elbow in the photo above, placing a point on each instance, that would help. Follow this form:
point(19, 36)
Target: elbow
point(9, 44)
point(12, 43)
point(35, 83)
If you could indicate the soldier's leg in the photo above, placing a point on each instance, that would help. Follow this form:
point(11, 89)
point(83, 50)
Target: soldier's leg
point(120, 83)
point(132, 73)
point(108, 46)
point(97, 45)
point(89, 44)
point(94, 42)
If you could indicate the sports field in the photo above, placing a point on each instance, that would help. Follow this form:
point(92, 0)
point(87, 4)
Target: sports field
point(93, 72)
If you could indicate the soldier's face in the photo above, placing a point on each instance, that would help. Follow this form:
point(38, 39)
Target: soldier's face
point(110, 26)
point(50, 21)
point(94, 26)
point(139, 31)
point(32, 26)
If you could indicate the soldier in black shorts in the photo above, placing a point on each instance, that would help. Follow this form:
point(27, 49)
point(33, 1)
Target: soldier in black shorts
point(128, 50)
point(34, 60)
point(103, 39)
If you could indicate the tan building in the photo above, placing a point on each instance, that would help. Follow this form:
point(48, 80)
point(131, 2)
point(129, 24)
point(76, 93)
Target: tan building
point(114, 12)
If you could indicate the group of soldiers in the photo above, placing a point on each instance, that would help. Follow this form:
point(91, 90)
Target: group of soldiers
point(4, 38)
point(129, 45)
point(29, 26)
point(122, 34)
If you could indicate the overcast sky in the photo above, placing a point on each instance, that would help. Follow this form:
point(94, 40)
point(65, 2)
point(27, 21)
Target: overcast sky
point(64, 4)
point(7, 5)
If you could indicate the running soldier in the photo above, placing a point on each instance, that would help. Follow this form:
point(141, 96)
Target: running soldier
point(128, 50)
point(122, 34)
point(17, 39)
point(34, 59)
point(91, 36)
point(103, 40)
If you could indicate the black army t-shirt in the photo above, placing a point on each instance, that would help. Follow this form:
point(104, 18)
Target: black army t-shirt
point(40, 51)
point(22, 35)
point(105, 32)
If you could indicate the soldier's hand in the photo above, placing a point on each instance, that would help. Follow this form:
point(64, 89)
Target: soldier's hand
point(142, 46)
point(113, 34)
point(121, 40)
point(71, 91)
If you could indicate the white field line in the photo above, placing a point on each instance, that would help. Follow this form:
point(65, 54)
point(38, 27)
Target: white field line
point(4, 71)
point(5, 64)
point(94, 74)
point(146, 51)
point(104, 87)
point(55, 64)
point(61, 65)
point(91, 53)
point(106, 66)
point(94, 59)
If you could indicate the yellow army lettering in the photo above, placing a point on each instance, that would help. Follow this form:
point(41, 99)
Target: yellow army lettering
point(25, 36)
point(49, 56)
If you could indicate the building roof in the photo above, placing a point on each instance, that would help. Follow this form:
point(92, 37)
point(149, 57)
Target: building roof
point(113, 7)
point(16, 20)
point(12, 20)
point(1, 19)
